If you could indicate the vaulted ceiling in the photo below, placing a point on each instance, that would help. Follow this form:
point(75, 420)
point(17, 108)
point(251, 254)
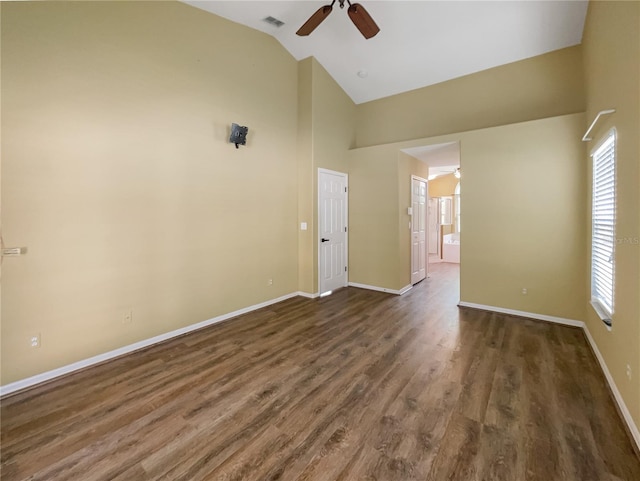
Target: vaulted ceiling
point(420, 43)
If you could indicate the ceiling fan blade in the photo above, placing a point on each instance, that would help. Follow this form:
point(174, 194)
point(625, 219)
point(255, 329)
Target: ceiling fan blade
point(362, 20)
point(314, 20)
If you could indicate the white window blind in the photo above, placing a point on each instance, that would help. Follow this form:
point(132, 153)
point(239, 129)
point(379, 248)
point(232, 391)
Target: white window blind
point(603, 212)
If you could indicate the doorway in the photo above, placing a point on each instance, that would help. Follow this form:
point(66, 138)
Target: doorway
point(332, 230)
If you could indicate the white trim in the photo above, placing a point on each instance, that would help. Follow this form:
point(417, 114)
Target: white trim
point(531, 315)
point(602, 312)
point(346, 221)
point(76, 366)
point(404, 290)
point(595, 121)
point(308, 295)
point(635, 433)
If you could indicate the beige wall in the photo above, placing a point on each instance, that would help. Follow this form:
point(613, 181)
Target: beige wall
point(443, 186)
point(307, 264)
point(408, 166)
point(523, 200)
point(507, 222)
point(379, 235)
point(539, 87)
point(118, 177)
point(327, 132)
point(374, 217)
point(612, 72)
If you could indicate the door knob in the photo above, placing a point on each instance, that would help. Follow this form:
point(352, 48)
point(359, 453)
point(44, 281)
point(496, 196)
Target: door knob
point(324, 240)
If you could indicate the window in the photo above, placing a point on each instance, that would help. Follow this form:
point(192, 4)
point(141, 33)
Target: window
point(603, 216)
point(445, 210)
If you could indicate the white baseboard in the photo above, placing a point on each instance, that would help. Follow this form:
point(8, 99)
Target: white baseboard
point(531, 315)
point(603, 365)
point(308, 295)
point(76, 366)
point(382, 289)
point(614, 389)
point(49, 375)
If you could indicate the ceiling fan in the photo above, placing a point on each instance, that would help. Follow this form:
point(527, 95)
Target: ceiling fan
point(358, 15)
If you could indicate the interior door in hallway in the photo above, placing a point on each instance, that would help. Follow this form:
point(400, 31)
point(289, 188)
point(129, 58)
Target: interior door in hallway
point(418, 229)
point(332, 230)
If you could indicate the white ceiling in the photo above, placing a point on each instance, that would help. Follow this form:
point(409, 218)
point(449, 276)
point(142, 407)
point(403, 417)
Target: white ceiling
point(420, 42)
point(442, 159)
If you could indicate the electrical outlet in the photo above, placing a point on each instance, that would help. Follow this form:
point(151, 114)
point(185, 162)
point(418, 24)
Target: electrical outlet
point(524, 291)
point(35, 340)
point(127, 318)
point(629, 372)
point(269, 282)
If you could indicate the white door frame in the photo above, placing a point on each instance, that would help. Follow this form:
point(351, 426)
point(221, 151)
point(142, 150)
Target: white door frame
point(434, 214)
point(346, 220)
point(426, 226)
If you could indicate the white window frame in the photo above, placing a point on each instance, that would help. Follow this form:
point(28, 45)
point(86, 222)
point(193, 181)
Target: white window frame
point(603, 226)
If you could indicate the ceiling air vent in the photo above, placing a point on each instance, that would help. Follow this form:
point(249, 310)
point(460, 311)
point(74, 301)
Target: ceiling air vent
point(273, 21)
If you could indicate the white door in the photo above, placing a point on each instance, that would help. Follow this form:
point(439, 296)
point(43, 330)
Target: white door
point(418, 229)
point(432, 231)
point(332, 230)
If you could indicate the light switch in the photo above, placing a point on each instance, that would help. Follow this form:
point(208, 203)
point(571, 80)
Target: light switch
point(409, 210)
point(13, 251)
point(303, 226)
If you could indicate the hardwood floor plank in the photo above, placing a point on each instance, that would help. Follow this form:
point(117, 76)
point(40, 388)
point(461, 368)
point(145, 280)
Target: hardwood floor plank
point(457, 457)
point(357, 385)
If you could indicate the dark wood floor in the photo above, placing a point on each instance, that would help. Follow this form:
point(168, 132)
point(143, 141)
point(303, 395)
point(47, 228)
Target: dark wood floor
point(359, 385)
